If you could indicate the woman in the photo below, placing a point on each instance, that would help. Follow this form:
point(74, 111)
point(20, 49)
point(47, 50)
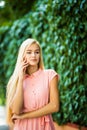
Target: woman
point(32, 91)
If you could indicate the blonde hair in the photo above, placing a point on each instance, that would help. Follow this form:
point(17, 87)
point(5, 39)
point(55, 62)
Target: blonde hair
point(12, 84)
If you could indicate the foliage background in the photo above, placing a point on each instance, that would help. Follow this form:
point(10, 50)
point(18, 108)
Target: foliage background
point(61, 28)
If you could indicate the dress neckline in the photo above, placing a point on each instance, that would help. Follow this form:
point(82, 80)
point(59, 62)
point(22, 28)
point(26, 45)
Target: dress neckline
point(35, 73)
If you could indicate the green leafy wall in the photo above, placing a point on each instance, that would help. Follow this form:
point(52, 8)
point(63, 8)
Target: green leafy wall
point(61, 28)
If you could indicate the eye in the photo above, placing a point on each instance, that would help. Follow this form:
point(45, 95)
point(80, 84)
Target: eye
point(28, 52)
point(37, 52)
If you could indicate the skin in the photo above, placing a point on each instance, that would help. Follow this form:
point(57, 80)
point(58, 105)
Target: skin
point(30, 61)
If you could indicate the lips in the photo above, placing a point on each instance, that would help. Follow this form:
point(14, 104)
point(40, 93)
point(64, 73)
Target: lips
point(33, 60)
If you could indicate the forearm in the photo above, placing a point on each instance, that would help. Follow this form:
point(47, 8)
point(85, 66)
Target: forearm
point(17, 102)
point(51, 107)
point(47, 109)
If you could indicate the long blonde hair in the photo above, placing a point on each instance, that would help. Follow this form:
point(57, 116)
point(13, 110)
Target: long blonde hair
point(12, 84)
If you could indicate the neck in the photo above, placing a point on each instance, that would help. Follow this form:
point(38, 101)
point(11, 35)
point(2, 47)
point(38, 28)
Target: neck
point(32, 69)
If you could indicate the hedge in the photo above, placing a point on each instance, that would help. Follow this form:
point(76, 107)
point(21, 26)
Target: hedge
point(61, 28)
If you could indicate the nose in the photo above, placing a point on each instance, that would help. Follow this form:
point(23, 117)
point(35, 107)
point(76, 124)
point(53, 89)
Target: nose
point(33, 54)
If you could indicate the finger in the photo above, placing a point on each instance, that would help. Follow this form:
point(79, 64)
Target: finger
point(25, 65)
point(13, 117)
point(13, 120)
point(24, 59)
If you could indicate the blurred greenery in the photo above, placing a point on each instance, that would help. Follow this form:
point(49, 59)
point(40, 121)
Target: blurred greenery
point(61, 28)
point(14, 9)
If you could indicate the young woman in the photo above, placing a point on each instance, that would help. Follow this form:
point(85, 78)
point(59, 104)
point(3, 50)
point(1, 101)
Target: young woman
point(32, 91)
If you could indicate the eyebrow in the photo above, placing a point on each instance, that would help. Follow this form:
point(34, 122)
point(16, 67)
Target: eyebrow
point(34, 50)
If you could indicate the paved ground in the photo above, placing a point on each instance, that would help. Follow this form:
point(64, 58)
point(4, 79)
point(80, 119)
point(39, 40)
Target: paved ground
point(2, 115)
point(3, 125)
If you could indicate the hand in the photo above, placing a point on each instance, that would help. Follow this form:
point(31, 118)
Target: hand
point(22, 68)
point(15, 117)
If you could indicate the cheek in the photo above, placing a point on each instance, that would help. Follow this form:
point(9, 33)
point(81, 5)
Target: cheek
point(38, 58)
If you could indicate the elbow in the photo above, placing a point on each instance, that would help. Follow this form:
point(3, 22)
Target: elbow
point(16, 110)
point(56, 108)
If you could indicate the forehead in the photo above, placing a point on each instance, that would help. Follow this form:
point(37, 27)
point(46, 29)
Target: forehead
point(33, 46)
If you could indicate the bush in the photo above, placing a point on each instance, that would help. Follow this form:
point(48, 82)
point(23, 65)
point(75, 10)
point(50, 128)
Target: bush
point(61, 28)
point(3, 47)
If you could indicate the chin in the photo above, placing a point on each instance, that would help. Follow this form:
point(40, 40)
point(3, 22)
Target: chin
point(33, 64)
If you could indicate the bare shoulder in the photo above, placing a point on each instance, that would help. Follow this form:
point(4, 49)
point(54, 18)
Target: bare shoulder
point(51, 73)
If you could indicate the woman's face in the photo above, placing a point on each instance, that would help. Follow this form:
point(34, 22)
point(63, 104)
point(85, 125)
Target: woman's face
point(32, 54)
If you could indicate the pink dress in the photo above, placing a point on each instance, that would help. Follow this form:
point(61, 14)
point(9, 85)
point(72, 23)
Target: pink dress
point(36, 95)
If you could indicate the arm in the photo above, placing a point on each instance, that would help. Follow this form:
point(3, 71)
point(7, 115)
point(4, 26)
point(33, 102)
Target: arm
point(52, 106)
point(17, 101)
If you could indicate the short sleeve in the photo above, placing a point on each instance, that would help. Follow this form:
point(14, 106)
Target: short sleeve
point(52, 74)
